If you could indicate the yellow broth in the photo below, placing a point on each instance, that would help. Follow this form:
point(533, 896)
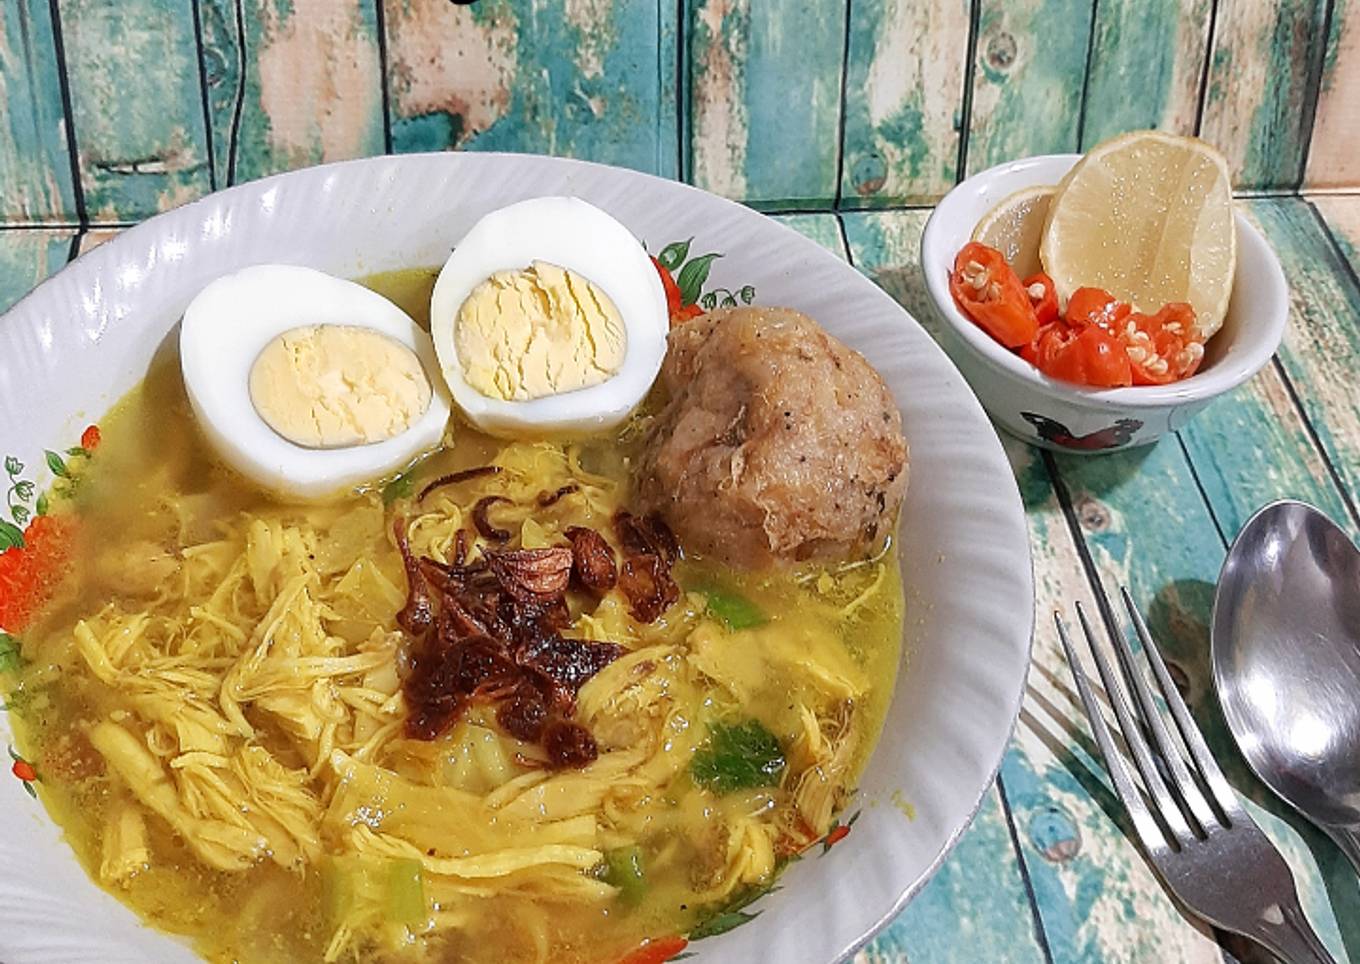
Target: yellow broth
point(781, 648)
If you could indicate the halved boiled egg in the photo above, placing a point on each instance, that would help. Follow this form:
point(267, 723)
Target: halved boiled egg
point(308, 384)
point(548, 317)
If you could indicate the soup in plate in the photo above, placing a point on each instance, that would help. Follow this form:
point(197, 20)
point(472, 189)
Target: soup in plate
point(567, 693)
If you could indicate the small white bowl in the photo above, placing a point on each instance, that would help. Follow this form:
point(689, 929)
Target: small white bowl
point(1065, 417)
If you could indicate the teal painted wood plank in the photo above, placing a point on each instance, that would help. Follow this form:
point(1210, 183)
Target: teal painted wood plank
point(903, 103)
point(1154, 47)
point(36, 180)
point(580, 78)
point(1321, 349)
point(1341, 214)
point(821, 228)
point(89, 240)
point(27, 256)
point(1251, 447)
point(1334, 154)
point(302, 86)
point(137, 105)
point(1031, 58)
point(672, 88)
point(765, 99)
point(221, 62)
point(1265, 61)
point(975, 908)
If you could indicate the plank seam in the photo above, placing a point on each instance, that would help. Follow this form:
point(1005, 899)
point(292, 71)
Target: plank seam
point(1313, 436)
point(840, 118)
point(203, 93)
point(969, 77)
point(380, 21)
point(1088, 564)
point(1348, 271)
point(1204, 71)
point(683, 82)
point(61, 225)
point(1086, 74)
point(1203, 494)
point(1313, 92)
point(233, 136)
point(1040, 935)
point(68, 114)
point(845, 237)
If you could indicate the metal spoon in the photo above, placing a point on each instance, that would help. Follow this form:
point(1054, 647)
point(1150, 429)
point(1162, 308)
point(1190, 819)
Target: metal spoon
point(1286, 654)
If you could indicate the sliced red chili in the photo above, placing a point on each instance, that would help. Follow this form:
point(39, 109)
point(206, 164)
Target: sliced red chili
point(988, 291)
point(1043, 296)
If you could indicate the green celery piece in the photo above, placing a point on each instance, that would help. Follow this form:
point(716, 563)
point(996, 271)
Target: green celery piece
point(405, 891)
point(727, 605)
point(623, 869)
point(339, 892)
point(740, 756)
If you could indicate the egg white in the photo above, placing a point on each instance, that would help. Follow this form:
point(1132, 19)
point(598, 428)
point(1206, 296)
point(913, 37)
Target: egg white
point(578, 236)
point(224, 330)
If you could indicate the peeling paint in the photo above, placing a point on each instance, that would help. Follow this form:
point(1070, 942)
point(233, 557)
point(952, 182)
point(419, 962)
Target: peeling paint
point(27, 257)
point(1333, 158)
point(137, 104)
point(1157, 47)
point(719, 108)
point(591, 18)
point(35, 176)
point(319, 82)
point(906, 73)
point(1027, 86)
point(449, 62)
point(1266, 52)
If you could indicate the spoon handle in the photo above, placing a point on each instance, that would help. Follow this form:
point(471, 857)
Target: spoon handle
point(1348, 839)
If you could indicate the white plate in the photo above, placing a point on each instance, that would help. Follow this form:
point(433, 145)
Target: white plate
point(83, 338)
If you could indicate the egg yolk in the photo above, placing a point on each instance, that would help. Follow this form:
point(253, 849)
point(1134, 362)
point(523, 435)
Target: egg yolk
point(334, 386)
point(540, 331)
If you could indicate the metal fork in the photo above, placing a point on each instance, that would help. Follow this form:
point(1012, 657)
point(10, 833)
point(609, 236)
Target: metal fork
point(1206, 848)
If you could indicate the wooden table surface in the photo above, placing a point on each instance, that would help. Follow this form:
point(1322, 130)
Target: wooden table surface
point(1048, 871)
point(859, 113)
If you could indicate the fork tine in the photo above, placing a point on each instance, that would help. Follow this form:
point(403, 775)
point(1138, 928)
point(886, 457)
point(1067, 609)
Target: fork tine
point(1193, 806)
point(1226, 800)
point(1167, 809)
point(1150, 832)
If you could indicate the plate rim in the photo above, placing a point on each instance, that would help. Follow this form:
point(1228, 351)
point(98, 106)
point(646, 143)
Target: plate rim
point(131, 235)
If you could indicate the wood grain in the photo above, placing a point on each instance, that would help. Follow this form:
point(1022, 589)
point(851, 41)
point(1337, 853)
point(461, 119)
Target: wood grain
point(1027, 83)
point(1147, 60)
point(581, 78)
point(36, 182)
point(1262, 75)
point(302, 84)
point(1334, 155)
point(1321, 350)
point(821, 228)
point(903, 94)
point(27, 256)
point(765, 98)
point(137, 105)
point(1281, 460)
